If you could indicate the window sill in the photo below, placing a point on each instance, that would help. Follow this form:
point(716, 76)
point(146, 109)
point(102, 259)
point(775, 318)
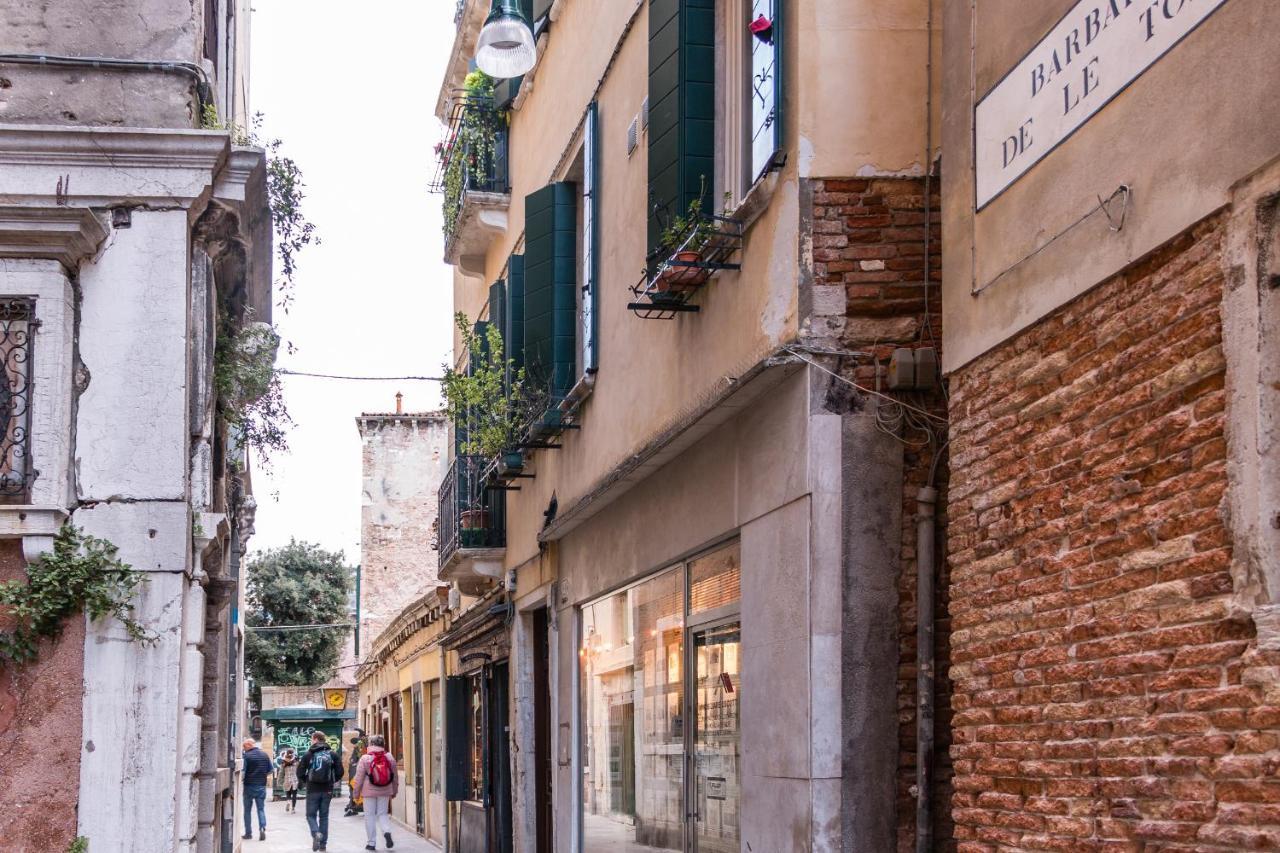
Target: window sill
point(35, 525)
point(756, 200)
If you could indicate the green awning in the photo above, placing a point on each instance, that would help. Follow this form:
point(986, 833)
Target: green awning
point(307, 714)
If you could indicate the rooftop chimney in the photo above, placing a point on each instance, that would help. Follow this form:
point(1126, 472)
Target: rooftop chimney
point(399, 403)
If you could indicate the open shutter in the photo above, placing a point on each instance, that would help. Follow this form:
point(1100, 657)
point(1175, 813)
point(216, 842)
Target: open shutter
point(457, 736)
point(590, 240)
point(766, 90)
point(498, 312)
point(681, 109)
point(513, 315)
point(550, 297)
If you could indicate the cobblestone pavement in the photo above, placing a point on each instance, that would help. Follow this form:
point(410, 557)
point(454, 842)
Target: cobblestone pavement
point(287, 833)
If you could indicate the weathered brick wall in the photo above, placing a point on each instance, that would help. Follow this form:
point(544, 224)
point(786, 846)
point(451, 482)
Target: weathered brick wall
point(40, 731)
point(1096, 656)
point(869, 266)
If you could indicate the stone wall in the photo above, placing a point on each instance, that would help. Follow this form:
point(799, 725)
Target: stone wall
point(119, 29)
point(404, 460)
point(1096, 654)
point(40, 733)
point(870, 298)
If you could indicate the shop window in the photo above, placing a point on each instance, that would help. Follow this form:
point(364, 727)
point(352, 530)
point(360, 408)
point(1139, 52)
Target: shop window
point(654, 656)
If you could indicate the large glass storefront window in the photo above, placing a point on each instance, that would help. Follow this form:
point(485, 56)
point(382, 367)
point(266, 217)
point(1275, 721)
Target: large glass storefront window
point(648, 667)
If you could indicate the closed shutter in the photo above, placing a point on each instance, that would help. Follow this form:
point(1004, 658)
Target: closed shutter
point(550, 297)
point(590, 240)
point(681, 109)
point(513, 316)
point(498, 311)
point(766, 86)
point(457, 737)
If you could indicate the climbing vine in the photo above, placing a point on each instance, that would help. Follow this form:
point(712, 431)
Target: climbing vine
point(293, 231)
point(250, 390)
point(81, 573)
point(472, 150)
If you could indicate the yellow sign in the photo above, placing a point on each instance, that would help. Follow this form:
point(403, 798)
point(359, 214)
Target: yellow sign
point(335, 700)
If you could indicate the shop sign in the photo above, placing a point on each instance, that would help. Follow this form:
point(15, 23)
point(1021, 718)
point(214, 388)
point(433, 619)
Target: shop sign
point(1094, 52)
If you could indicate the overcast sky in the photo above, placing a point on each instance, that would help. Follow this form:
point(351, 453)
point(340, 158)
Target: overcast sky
point(351, 89)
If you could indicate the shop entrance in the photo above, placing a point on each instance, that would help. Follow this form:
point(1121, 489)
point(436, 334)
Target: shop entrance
point(661, 676)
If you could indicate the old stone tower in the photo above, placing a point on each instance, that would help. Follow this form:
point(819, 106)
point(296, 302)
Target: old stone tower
point(404, 459)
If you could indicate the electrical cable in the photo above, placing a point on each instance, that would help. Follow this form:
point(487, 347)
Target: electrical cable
point(287, 372)
point(298, 627)
point(190, 69)
point(800, 355)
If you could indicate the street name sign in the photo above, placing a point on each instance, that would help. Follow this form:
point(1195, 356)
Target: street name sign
point(1088, 58)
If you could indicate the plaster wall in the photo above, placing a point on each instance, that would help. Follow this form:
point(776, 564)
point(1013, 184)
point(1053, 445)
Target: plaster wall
point(652, 373)
point(1197, 121)
point(404, 460)
point(120, 29)
point(859, 72)
point(773, 476)
point(132, 422)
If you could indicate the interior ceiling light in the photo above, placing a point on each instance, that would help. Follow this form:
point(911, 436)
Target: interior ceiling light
point(506, 48)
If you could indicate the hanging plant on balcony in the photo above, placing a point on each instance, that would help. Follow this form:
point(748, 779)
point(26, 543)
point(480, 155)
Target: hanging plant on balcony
point(472, 148)
point(493, 409)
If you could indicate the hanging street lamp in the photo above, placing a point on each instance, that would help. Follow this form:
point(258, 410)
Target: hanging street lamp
point(506, 48)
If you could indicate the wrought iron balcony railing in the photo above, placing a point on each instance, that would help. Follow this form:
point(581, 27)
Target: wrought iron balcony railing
point(707, 245)
point(472, 157)
point(471, 515)
point(17, 328)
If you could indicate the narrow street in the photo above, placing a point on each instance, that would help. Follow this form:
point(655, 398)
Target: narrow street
point(287, 833)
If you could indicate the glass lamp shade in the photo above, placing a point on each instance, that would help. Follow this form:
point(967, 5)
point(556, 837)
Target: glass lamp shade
point(505, 48)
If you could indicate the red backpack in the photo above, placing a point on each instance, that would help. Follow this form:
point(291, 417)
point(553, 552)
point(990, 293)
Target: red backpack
point(379, 769)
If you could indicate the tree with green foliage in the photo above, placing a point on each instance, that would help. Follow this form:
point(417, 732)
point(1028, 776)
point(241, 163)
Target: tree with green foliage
point(299, 584)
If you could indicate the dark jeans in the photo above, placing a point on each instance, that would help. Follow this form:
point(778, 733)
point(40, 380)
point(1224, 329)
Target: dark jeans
point(255, 794)
point(292, 796)
point(318, 812)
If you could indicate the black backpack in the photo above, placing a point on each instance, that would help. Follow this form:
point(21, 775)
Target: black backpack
point(323, 769)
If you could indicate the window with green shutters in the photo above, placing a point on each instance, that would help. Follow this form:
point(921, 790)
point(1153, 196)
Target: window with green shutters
point(682, 109)
point(513, 316)
point(550, 290)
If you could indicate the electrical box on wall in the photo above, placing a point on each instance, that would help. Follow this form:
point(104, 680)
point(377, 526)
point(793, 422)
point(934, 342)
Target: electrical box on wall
point(913, 369)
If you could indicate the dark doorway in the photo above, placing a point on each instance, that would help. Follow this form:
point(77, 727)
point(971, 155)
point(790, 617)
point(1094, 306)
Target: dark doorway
point(501, 839)
point(542, 729)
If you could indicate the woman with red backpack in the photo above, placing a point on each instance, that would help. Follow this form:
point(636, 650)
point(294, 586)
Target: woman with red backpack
point(377, 782)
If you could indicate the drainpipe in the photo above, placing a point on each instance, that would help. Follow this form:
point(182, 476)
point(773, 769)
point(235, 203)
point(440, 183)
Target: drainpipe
point(926, 502)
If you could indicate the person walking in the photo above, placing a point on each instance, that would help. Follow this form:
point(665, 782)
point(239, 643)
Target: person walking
point(287, 764)
point(377, 782)
point(321, 769)
point(257, 765)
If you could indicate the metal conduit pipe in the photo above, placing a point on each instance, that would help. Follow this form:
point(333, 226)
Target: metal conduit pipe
point(188, 69)
point(926, 504)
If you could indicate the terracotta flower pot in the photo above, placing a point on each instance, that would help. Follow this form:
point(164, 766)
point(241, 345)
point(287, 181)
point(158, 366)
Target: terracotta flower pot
point(474, 519)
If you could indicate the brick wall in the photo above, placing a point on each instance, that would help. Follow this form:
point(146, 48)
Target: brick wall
point(869, 275)
point(40, 728)
point(1096, 657)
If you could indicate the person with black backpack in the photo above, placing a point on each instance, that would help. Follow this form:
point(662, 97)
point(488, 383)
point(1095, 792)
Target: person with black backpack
point(321, 769)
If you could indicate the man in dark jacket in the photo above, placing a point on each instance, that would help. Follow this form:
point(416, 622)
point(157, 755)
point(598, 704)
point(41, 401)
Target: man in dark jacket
point(321, 769)
point(257, 764)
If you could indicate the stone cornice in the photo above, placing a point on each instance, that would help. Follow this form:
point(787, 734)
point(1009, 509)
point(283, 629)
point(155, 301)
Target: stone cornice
point(105, 166)
point(64, 234)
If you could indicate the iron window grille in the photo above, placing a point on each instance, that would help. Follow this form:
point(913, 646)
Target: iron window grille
point(17, 329)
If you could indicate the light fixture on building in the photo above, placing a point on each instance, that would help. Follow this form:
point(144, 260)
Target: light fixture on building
point(506, 48)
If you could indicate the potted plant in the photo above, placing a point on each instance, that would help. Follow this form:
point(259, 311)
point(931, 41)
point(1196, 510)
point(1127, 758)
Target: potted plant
point(686, 238)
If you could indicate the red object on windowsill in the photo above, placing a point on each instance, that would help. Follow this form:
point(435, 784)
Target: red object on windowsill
point(762, 28)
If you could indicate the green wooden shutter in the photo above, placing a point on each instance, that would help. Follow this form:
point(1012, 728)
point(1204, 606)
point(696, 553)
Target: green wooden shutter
point(513, 315)
point(457, 734)
point(550, 288)
point(591, 241)
point(498, 312)
point(681, 108)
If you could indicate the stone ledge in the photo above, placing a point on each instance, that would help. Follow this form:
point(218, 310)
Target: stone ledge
point(35, 525)
point(68, 235)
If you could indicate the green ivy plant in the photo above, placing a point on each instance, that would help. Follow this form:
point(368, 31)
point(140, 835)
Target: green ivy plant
point(79, 845)
point(293, 231)
point(81, 573)
point(249, 388)
point(495, 409)
point(473, 149)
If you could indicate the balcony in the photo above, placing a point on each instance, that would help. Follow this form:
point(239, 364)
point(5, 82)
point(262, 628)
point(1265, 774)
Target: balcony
point(472, 176)
point(472, 526)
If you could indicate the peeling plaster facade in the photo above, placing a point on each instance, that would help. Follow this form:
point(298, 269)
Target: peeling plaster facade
point(403, 459)
point(138, 237)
